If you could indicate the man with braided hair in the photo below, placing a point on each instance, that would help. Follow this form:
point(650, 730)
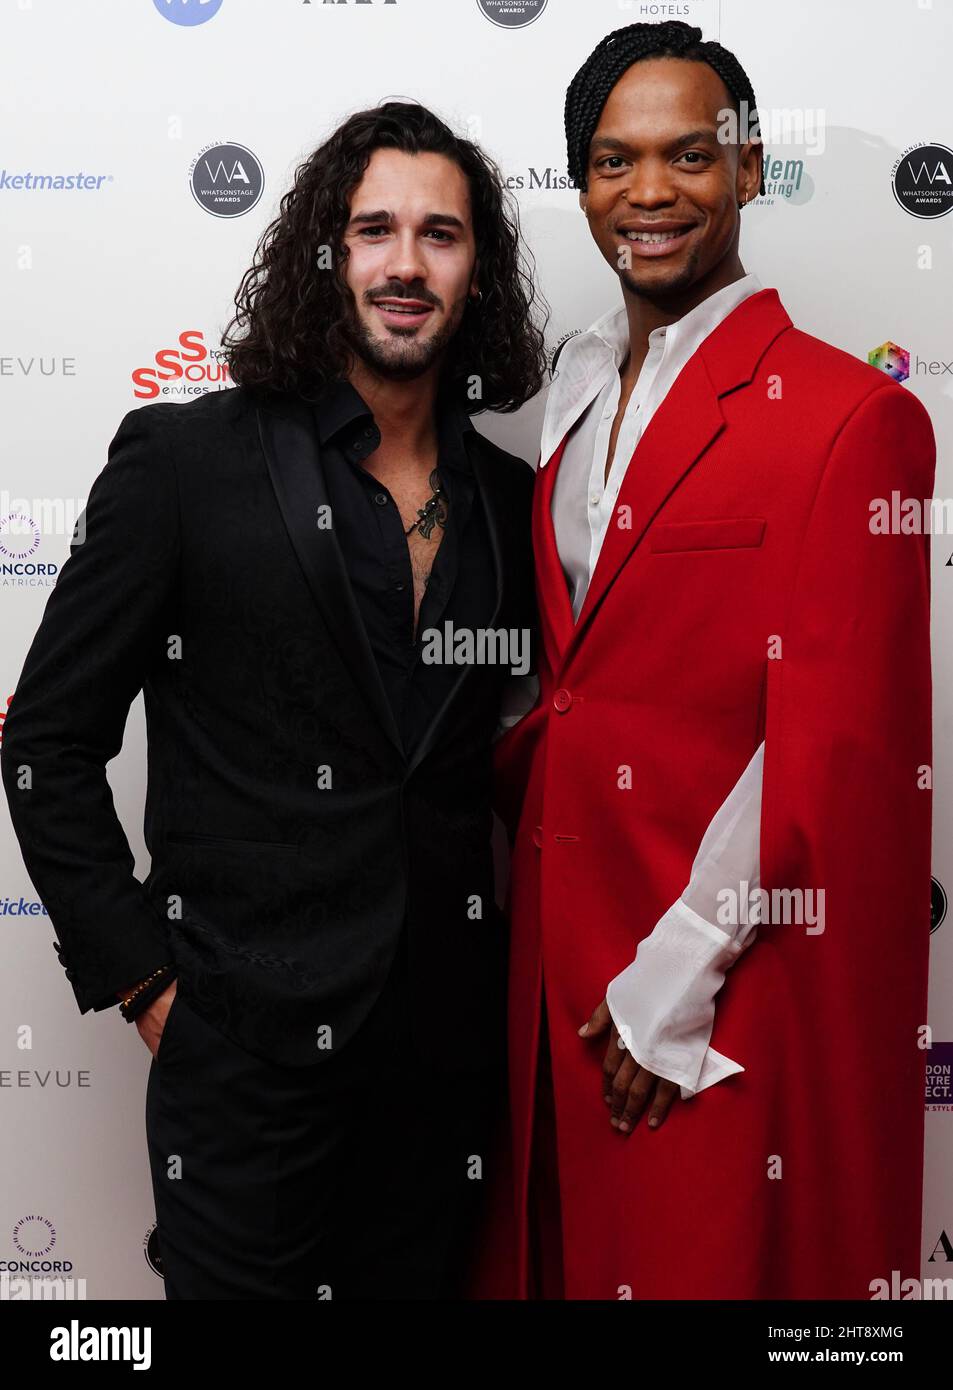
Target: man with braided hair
point(733, 716)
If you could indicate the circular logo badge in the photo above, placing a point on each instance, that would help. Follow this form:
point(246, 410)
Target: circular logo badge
point(227, 180)
point(34, 1235)
point(937, 904)
point(152, 1252)
point(512, 14)
point(23, 535)
point(923, 181)
point(187, 12)
point(554, 356)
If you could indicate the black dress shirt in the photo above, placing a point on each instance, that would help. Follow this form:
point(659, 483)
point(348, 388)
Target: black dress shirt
point(370, 531)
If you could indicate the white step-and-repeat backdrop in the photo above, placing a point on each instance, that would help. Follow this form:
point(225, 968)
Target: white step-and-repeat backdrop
point(116, 282)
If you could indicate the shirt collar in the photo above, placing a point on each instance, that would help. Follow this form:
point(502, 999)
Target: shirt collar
point(587, 358)
point(343, 416)
point(688, 333)
point(611, 331)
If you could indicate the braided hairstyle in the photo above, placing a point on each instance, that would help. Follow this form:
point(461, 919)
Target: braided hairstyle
point(589, 90)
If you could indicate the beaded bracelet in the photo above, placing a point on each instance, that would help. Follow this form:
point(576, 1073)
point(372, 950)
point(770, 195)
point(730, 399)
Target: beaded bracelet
point(144, 993)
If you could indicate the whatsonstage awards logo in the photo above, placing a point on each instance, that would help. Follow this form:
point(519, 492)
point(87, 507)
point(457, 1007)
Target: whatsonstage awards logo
point(923, 180)
point(554, 354)
point(512, 14)
point(937, 905)
point(150, 1248)
point(226, 179)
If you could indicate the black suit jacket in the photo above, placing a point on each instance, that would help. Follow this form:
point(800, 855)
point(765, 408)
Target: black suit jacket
point(206, 581)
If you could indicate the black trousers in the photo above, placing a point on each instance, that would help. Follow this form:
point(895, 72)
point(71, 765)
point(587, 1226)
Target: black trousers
point(357, 1179)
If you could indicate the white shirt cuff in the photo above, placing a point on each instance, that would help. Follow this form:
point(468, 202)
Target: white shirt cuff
point(663, 1004)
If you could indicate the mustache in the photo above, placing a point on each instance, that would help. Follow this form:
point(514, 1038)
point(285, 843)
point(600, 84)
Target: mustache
point(396, 289)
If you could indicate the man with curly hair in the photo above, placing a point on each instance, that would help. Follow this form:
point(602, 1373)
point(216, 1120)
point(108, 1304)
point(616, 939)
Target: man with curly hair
point(316, 951)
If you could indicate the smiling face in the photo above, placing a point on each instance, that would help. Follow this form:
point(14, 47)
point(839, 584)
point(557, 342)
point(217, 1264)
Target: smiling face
point(663, 191)
point(411, 262)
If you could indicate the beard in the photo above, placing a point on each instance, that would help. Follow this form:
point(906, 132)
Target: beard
point(401, 355)
point(658, 291)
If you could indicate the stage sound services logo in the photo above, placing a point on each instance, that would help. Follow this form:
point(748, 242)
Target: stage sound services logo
point(923, 180)
point(512, 14)
point(226, 179)
point(190, 369)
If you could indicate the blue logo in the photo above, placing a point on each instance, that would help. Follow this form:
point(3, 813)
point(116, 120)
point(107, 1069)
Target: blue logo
point(187, 12)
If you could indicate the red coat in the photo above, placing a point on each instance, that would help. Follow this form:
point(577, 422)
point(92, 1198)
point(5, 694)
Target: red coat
point(668, 672)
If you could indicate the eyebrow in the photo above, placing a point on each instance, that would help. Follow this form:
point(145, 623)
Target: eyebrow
point(691, 137)
point(433, 219)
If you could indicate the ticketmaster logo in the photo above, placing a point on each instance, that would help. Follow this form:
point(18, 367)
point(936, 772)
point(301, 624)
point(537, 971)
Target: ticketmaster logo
point(57, 182)
point(482, 646)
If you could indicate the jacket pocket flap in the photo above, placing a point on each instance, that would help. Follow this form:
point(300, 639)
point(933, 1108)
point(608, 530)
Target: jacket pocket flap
point(729, 533)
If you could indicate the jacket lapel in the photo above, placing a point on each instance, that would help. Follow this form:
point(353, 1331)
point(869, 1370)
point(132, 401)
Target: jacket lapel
point(688, 421)
point(290, 444)
point(496, 521)
point(555, 609)
point(681, 429)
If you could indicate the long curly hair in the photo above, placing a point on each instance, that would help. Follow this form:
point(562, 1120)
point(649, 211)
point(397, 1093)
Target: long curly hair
point(288, 331)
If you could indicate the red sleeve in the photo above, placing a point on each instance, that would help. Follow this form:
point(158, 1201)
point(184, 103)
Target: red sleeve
point(847, 810)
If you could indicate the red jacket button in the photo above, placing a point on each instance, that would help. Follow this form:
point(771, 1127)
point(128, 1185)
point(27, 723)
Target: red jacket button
point(562, 700)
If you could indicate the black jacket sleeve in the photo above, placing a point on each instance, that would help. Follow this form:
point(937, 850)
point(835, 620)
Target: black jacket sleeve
point(101, 631)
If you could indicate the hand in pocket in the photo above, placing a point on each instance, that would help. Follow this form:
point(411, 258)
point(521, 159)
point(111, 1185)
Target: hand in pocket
point(152, 1021)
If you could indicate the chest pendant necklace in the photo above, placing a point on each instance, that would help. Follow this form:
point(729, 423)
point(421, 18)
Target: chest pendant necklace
point(433, 512)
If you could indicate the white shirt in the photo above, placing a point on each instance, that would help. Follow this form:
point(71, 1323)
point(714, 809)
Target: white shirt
point(663, 1003)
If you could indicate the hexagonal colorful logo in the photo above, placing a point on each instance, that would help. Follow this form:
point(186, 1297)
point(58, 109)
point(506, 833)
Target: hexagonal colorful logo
point(893, 360)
